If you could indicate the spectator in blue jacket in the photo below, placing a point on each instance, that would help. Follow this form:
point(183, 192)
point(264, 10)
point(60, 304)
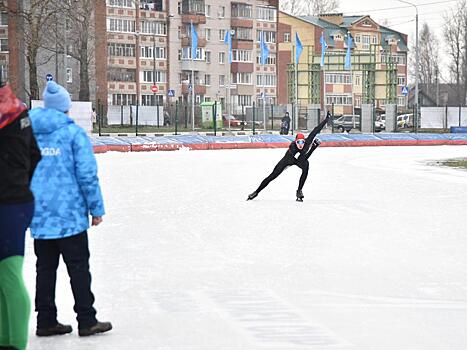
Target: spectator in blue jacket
point(66, 190)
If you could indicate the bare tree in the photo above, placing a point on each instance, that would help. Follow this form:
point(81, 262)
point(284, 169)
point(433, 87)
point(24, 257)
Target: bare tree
point(79, 45)
point(455, 32)
point(309, 7)
point(428, 56)
point(36, 16)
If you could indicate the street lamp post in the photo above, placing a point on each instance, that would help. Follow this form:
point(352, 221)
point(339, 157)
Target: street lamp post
point(416, 61)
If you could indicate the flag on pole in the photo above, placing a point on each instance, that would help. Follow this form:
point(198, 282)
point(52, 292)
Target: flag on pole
point(194, 42)
point(298, 48)
point(348, 63)
point(228, 41)
point(324, 46)
point(264, 49)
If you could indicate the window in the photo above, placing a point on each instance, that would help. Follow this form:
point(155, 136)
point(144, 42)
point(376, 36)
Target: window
point(121, 74)
point(4, 19)
point(120, 25)
point(207, 10)
point(400, 59)
point(358, 80)
point(208, 56)
point(241, 33)
point(221, 34)
point(3, 45)
point(269, 36)
point(401, 81)
point(148, 76)
point(149, 100)
point(185, 54)
point(374, 39)
point(207, 79)
point(207, 33)
point(241, 56)
point(358, 102)
point(401, 101)
point(338, 78)
point(69, 75)
point(121, 3)
point(270, 60)
point(153, 5)
point(123, 50)
point(286, 37)
point(244, 100)
point(153, 27)
point(366, 42)
point(221, 80)
point(221, 11)
point(123, 99)
point(221, 57)
point(179, 7)
point(147, 52)
point(266, 14)
point(193, 7)
point(339, 100)
point(242, 78)
point(266, 80)
point(358, 38)
point(241, 10)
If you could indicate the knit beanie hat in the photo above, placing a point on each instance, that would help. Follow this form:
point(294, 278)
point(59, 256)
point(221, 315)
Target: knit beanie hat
point(56, 97)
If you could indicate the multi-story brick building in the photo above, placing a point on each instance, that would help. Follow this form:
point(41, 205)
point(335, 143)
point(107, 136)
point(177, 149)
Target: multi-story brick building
point(379, 63)
point(150, 44)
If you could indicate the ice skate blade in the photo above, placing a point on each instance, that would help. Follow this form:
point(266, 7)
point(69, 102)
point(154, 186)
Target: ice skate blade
point(299, 199)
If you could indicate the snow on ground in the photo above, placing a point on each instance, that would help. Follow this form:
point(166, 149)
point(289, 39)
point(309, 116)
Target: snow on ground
point(374, 258)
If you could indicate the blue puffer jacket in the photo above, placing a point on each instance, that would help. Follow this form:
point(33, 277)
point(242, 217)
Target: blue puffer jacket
point(65, 183)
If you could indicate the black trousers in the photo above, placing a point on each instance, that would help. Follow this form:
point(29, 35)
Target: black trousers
point(75, 252)
point(283, 164)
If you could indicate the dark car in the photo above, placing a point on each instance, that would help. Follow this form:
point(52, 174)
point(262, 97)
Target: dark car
point(347, 123)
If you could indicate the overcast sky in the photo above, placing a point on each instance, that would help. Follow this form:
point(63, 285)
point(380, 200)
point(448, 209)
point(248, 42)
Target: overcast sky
point(400, 16)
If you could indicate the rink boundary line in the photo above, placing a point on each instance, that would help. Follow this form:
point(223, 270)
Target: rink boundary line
point(153, 144)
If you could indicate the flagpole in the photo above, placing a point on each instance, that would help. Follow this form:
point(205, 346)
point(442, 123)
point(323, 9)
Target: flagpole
point(192, 83)
point(296, 91)
point(264, 101)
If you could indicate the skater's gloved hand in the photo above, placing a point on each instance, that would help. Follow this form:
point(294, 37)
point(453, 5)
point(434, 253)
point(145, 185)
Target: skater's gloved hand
point(96, 220)
point(316, 141)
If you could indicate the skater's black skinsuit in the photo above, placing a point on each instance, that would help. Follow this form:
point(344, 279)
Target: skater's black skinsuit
point(301, 161)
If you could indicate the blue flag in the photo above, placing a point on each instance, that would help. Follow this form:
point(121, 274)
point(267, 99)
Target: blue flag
point(298, 48)
point(228, 41)
point(324, 46)
point(348, 63)
point(264, 49)
point(194, 42)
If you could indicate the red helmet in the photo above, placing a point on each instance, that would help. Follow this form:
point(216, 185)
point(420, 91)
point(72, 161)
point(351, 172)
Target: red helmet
point(299, 136)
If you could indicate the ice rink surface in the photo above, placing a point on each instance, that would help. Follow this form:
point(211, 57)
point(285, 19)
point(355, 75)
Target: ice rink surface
point(375, 258)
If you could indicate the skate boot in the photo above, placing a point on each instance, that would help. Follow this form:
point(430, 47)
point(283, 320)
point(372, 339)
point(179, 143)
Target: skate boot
point(252, 196)
point(58, 329)
point(99, 327)
point(300, 196)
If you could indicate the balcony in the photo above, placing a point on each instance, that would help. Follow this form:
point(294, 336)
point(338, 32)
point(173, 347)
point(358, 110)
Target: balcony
point(241, 22)
point(194, 18)
point(193, 11)
point(199, 89)
point(196, 65)
point(186, 41)
point(242, 67)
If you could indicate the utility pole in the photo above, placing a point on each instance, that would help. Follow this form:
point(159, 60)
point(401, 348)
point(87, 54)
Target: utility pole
point(417, 61)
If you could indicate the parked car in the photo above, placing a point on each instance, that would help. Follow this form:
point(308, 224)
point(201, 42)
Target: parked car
point(380, 123)
point(347, 122)
point(234, 122)
point(404, 120)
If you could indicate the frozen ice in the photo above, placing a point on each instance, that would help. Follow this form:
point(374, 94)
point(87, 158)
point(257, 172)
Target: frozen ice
point(374, 258)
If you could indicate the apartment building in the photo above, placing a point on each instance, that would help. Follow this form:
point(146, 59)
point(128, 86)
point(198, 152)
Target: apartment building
point(379, 63)
point(149, 43)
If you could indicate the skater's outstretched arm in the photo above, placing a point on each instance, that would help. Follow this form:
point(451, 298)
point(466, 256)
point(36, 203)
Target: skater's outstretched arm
point(316, 130)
